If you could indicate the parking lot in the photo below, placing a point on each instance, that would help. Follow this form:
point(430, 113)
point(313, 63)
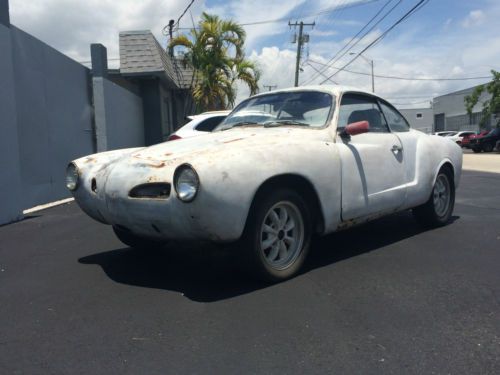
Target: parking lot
point(483, 162)
point(386, 297)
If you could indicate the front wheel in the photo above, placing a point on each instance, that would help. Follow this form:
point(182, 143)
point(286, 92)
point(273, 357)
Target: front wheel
point(476, 150)
point(437, 210)
point(277, 235)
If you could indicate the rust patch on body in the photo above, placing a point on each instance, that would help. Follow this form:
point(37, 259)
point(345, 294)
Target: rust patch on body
point(90, 159)
point(160, 165)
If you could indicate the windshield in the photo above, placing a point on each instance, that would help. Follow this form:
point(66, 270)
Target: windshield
point(296, 108)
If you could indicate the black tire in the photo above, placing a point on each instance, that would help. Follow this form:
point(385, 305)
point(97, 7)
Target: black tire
point(476, 150)
point(429, 214)
point(136, 242)
point(488, 147)
point(258, 260)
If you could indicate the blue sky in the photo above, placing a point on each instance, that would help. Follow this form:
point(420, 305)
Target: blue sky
point(444, 39)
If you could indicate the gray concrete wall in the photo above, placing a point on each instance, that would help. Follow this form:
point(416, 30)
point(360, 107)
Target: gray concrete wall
point(453, 107)
point(47, 120)
point(54, 116)
point(10, 179)
point(423, 122)
point(118, 116)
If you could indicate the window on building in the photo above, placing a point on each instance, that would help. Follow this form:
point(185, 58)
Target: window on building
point(419, 115)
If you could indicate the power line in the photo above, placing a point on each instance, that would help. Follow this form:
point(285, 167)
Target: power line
point(408, 14)
point(335, 59)
point(321, 12)
point(183, 13)
point(324, 11)
point(403, 78)
point(321, 73)
point(171, 26)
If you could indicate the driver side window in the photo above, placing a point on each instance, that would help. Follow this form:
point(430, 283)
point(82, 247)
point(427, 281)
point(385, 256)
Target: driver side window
point(359, 107)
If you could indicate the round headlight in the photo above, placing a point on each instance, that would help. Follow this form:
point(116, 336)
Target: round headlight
point(72, 177)
point(186, 183)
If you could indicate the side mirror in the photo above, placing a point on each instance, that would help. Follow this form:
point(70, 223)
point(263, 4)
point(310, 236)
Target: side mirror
point(355, 128)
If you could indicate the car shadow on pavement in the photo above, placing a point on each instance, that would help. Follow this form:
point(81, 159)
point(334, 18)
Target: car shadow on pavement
point(210, 273)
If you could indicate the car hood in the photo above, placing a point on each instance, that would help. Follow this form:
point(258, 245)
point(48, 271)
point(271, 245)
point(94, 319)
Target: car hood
point(237, 139)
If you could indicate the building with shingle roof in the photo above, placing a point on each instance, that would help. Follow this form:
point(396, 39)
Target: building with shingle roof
point(164, 83)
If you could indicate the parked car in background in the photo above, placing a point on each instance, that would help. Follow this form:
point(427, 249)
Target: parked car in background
point(283, 166)
point(445, 133)
point(486, 143)
point(199, 125)
point(466, 139)
point(458, 137)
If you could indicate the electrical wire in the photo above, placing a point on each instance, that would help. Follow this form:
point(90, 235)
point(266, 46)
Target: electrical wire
point(275, 20)
point(164, 30)
point(346, 48)
point(402, 78)
point(408, 14)
point(324, 11)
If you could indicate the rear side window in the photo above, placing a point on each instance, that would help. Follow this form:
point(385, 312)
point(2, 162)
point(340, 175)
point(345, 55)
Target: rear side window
point(396, 121)
point(209, 124)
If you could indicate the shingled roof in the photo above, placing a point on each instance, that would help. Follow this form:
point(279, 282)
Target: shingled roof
point(142, 54)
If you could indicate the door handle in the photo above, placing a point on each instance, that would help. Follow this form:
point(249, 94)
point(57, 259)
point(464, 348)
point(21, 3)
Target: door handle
point(396, 148)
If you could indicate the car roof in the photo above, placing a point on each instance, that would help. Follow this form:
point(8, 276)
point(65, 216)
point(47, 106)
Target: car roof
point(336, 90)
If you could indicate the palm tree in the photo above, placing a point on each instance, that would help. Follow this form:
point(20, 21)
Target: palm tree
point(215, 52)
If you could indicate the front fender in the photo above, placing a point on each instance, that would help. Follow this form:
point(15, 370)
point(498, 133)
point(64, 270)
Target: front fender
point(230, 179)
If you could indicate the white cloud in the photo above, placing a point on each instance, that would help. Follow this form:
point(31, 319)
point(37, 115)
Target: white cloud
point(71, 26)
point(323, 33)
point(258, 10)
point(474, 18)
point(277, 66)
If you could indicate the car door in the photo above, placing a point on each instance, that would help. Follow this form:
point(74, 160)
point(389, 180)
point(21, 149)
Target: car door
point(373, 168)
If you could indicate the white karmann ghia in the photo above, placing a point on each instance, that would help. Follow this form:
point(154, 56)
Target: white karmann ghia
point(283, 166)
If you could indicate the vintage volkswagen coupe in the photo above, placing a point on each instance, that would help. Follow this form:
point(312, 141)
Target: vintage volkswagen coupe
point(283, 166)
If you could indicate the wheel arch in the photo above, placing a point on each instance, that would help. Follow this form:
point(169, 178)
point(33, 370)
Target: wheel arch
point(446, 164)
point(300, 184)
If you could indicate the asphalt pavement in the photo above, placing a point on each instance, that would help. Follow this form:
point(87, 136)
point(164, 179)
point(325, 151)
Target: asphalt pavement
point(384, 298)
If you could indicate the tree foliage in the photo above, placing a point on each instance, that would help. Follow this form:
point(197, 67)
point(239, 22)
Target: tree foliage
point(215, 52)
point(490, 106)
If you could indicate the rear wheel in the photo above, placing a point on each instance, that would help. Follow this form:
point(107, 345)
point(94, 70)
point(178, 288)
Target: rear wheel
point(277, 235)
point(488, 147)
point(476, 150)
point(135, 241)
point(437, 210)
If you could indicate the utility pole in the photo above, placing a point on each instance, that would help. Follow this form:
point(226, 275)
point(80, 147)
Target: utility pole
point(373, 79)
point(270, 87)
point(300, 41)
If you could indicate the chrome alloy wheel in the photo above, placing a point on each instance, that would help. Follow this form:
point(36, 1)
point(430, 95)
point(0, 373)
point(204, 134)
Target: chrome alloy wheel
point(441, 195)
point(282, 235)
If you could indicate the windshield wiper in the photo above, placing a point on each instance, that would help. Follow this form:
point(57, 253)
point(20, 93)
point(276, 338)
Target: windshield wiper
point(275, 123)
point(241, 123)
